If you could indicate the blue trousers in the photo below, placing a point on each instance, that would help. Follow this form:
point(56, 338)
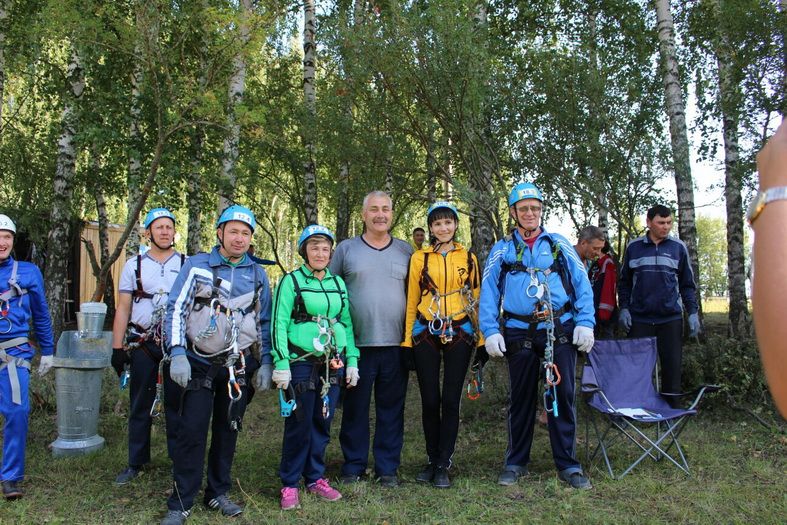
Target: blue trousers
point(380, 370)
point(15, 425)
point(306, 431)
point(524, 373)
point(142, 392)
point(191, 437)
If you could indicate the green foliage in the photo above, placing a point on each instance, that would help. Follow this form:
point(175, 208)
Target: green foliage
point(712, 250)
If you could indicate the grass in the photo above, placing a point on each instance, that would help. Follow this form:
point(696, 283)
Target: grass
point(739, 472)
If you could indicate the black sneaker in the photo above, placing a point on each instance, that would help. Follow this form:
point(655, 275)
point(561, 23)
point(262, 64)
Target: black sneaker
point(225, 505)
point(12, 490)
point(426, 475)
point(175, 517)
point(127, 476)
point(390, 482)
point(441, 480)
point(349, 479)
point(510, 477)
point(576, 480)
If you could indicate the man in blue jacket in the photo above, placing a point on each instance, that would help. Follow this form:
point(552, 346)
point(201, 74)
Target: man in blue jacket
point(656, 286)
point(21, 298)
point(218, 312)
point(547, 315)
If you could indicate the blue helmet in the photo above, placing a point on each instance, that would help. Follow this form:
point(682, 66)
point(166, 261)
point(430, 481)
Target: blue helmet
point(442, 204)
point(522, 191)
point(312, 230)
point(157, 213)
point(236, 212)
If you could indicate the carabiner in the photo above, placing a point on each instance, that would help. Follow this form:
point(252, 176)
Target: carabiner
point(233, 387)
point(155, 410)
point(473, 391)
point(326, 407)
point(287, 406)
point(125, 377)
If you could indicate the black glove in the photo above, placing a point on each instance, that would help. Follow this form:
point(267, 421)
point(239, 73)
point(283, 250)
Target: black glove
point(408, 358)
point(119, 360)
point(480, 359)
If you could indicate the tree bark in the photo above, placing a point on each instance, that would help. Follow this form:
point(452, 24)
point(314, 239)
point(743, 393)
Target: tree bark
point(237, 87)
point(3, 18)
point(103, 240)
point(729, 102)
point(58, 242)
point(309, 97)
point(135, 144)
point(783, 12)
point(676, 112)
point(194, 236)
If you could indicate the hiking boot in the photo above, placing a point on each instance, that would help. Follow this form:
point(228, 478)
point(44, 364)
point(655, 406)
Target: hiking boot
point(426, 475)
point(225, 505)
point(349, 479)
point(441, 480)
point(576, 480)
point(289, 498)
point(390, 482)
point(12, 490)
point(175, 517)
point(324, 490)
point(510, 476)
point(127, 475)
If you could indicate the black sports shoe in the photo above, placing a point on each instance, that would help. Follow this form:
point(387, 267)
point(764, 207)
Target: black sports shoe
point(576, 480)
point(12, 490)
point(441, 480)
point(349, 479)
point(510, 476)
point(426, 475)
point(127, 476)
point(225, 505)
point(175, 517)
point(390, 482)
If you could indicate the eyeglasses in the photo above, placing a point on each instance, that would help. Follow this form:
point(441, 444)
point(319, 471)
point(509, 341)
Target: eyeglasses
point(533, 209)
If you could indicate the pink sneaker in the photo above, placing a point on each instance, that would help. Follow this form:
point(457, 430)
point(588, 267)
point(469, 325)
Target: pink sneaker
point(289, 498)
point(324, 490)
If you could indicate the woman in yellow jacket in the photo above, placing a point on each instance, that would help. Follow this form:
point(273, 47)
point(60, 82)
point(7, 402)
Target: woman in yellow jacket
point(441, 327)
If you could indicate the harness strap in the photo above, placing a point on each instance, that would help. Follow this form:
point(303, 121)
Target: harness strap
point(12, 362)
point(14, 288)
point(531, 319)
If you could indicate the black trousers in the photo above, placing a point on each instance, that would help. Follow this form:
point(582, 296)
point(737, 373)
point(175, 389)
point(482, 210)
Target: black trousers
point(192, 413)
point(142, 391)
point(669, 340)
point(440, 410)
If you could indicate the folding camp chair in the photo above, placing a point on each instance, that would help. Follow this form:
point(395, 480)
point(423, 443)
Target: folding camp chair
point(618, 383)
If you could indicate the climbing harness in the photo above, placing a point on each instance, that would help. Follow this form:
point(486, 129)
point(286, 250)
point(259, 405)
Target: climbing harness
point(442, 324)
point(14, 290)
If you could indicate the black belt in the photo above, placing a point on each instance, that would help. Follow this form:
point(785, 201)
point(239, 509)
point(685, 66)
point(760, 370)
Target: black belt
point(531, 319)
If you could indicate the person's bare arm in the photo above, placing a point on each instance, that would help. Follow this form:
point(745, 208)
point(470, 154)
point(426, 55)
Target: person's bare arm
point(122, 315)
point(769, 287)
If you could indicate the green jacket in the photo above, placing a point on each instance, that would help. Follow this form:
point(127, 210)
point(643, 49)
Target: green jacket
point(327, 298)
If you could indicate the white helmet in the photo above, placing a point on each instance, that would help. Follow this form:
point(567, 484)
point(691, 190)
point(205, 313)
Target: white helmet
point(7, 224)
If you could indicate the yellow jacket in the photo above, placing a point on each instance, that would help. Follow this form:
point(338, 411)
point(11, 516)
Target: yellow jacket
point(449, 274)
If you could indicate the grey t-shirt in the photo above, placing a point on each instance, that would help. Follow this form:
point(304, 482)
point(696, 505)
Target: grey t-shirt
point(376, 284)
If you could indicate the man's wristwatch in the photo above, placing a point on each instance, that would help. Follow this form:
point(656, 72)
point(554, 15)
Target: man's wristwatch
point(762, 198)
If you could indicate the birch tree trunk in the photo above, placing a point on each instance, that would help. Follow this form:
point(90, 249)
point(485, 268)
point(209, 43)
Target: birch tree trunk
point(194, 236)
point(3, 18)
point(58, 242)
point(103, 240)
point(676, 112)
point(783, 12)
point(729, 102)
point(237, 88)
point(135, 148)
point(483, 202)
point(595, 113)
point(309, 97)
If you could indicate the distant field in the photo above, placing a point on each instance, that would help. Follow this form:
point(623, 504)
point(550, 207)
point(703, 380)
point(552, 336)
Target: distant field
point(716, 305)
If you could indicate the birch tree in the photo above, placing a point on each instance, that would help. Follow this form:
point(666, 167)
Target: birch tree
point(676, 112)
point(3, 18)
point(309, 101)
point(58, 243)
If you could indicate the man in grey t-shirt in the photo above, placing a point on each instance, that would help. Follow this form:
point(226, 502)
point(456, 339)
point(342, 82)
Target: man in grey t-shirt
point(374, 267)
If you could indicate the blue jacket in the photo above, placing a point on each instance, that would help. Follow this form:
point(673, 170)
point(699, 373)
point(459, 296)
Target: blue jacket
point(197, 270)
point(513, 289)
point(653, 280)
point(22, 308)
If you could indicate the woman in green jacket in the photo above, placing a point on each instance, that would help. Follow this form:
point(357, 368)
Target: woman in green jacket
point(312, 339)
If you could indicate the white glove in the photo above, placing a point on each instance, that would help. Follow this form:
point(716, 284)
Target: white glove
point(353, 375)
point(282, 378)
point(495, 345)
point(694, 325)
point(45, 365)
point(583, 338)
point(262, 381)
point(624, 318)
point(180, 370)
